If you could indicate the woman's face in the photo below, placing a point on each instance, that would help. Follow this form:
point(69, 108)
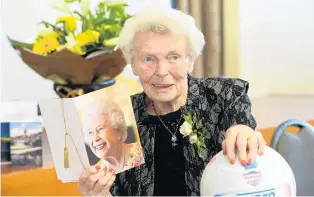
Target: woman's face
point(104, 141)
point(160, 61)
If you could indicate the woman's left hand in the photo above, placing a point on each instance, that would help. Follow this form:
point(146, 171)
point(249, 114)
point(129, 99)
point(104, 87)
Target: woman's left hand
point(247, 141)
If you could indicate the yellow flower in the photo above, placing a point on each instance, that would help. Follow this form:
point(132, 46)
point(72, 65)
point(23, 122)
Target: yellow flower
point(69, 22)
point(77, 50)
point(74, 49)
point(94, 35)
point(84, 38)
point(72, 45)
point(46, 45)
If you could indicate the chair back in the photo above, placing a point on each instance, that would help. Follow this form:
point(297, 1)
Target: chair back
point(298, 150)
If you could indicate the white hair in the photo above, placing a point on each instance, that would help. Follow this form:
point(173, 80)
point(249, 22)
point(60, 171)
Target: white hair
point(112, 112)
point(161, 20)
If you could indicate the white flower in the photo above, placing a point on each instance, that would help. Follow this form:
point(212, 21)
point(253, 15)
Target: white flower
point(193, 139)
point(61, 6)
point(186, 129)
point(46, 31)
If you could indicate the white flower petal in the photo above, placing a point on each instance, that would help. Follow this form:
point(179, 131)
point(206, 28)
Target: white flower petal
point(186, 129)
point(193, 139)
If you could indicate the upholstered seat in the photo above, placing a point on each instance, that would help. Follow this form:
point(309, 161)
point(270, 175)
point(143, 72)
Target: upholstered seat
point(297, 149)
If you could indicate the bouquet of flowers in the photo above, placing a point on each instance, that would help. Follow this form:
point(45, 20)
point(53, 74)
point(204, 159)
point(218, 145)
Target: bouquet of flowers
point(79, 47)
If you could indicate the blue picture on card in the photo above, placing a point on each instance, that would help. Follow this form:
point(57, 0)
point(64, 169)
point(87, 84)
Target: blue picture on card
point(5, 142)
point(26, 143)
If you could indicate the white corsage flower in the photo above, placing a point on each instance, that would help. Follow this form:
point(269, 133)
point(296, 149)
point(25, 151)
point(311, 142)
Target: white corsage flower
point(196, 132)
point(186, 129)
point(193, 139)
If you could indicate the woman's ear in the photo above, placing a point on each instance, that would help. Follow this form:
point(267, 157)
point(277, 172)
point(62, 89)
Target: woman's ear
point(133, 65)
point(134, 70)
point(120, 136)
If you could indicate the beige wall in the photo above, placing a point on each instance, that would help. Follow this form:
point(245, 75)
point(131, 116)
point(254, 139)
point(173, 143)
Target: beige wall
point(230, 38)
point(270, 44)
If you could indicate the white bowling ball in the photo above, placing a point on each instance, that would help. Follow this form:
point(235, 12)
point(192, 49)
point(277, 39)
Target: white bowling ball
point(268, 175)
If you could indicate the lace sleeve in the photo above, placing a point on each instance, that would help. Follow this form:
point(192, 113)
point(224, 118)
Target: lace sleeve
point(237, 108)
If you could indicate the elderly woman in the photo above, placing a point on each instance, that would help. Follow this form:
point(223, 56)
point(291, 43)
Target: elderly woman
point(162, 46)
point(105, 129)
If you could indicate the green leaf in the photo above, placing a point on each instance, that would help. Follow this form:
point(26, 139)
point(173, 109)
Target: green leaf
point(204, 130)
point(80, 15)
point(194, 117)
point(193, 152)
point(201, 139)
point(20, 45)
point(120, 13)
point(203, 145)
point(90, 21)
point(187, 114)
point(83, 19)
point(199, 124)
point(187, 117)
point(199, 154)
point(54, 27)
point(198, 144)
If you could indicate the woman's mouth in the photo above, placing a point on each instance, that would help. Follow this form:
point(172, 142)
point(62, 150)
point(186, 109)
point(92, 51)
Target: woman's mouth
point(161, 86)
point(100, 146)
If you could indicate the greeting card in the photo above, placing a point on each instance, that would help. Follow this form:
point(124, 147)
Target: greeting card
point(97, 128)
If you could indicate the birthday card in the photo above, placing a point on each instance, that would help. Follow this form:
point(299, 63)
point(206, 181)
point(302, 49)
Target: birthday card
point(98, 128)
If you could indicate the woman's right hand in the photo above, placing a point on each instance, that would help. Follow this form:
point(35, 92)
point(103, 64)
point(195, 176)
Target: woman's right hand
point(96, 181)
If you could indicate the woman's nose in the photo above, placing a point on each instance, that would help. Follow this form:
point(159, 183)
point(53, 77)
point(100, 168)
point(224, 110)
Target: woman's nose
point(96, 136)
point(161, 69)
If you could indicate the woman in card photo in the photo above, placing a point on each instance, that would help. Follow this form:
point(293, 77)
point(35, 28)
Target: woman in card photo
point(105, 130)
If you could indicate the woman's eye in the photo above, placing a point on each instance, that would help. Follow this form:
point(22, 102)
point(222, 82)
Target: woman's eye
point(101, 128)
point(148, 59)
point(174, 57)
point(90, 133)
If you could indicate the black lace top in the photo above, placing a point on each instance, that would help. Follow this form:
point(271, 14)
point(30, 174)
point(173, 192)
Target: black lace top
point(169, 160)
point(218, 102)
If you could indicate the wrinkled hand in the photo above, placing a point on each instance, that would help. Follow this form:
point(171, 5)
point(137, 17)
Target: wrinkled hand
point(246, 141)
point(96, 182)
